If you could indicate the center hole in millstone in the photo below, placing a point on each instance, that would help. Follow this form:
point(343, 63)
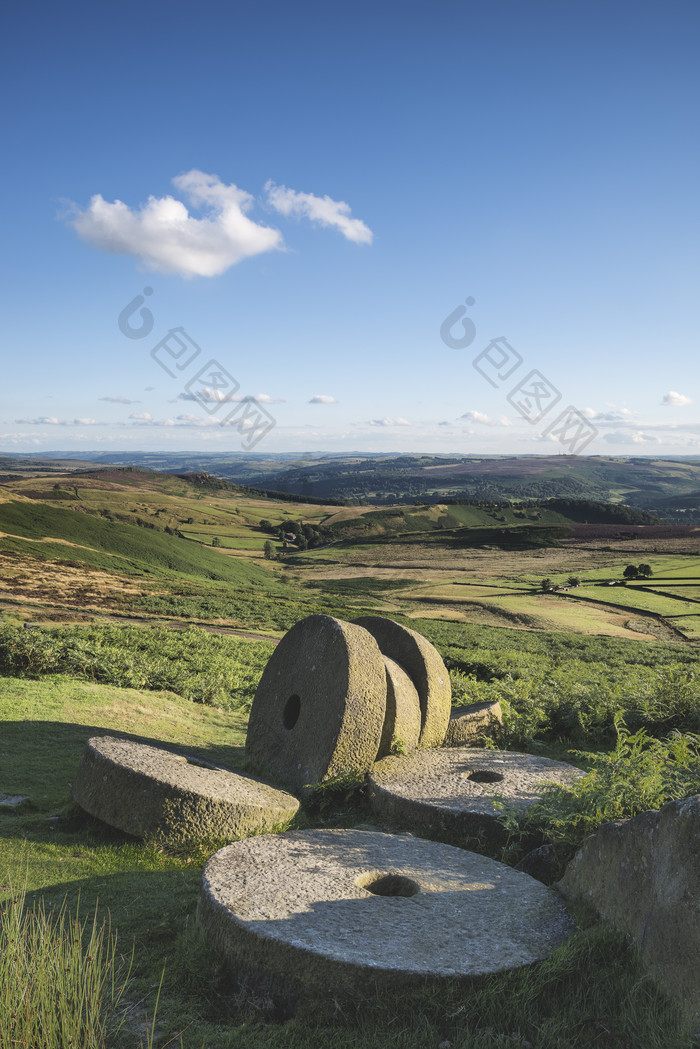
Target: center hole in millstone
point(485, 776)
point(290, 714)
point(389, 885)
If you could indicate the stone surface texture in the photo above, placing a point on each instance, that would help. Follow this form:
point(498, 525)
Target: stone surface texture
point(152, 793)
point(468, 723)
point(643, 876)
point(295, 908)
point(423, 664)
point(319, 708)
point(402, 721)
point(451, 790)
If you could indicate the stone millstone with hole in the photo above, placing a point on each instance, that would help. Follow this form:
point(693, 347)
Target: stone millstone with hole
point(350, 911)
point(424, 666)
point(470, 722)
point(450, 791)
point(153, 793)
point(319, 708)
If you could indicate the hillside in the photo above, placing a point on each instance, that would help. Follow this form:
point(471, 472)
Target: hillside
point(659, 484)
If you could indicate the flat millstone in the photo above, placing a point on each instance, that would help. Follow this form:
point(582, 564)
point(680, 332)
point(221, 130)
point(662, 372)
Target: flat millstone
point(153, 793)
point(294, 908)
point(469, 722)
point(423, 664)
point(450, 790)
point(319, 708)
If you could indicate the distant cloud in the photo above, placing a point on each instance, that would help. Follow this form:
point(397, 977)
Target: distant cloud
point(323, 210)
point(484, 420)
point(620, 437)
point(672, 399)
point(119, 400)
point(323, 398)
point(142, 417)
point(165, 237)
point(219, 397)
point(50, 420)
point(389, 422)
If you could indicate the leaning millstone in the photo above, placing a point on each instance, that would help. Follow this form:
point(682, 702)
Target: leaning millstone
point(468, 723)
point(352, 912)
point(423, 664)
point(402, 721)
point(319, 708)
point(643, 876)
point(450, 791)
point(153, 793)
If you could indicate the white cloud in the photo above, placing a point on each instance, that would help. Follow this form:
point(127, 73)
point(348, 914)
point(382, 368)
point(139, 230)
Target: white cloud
point(219, 397)
point(143, 417)
point(51, 420)
point(673, 399)
point(323, 398)
point(389, 422)
point(120, 400)
point(323, 210)
point(620, 437)
point(165, 237)
point(485, 420)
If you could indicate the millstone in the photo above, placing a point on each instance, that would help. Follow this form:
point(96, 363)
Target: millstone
point(402, 721)
point(467, 723)
point(450, 790)
point(319, 708)
point(153, 793)
point(346, 912)
point(423, 664)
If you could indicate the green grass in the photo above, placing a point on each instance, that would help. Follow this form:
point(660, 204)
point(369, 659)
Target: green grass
point(591, 992)
point(117, 547)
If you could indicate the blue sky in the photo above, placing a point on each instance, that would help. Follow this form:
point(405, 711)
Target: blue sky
point(309, 190)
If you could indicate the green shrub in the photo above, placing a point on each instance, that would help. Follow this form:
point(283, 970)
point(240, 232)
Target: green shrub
point(640, 773)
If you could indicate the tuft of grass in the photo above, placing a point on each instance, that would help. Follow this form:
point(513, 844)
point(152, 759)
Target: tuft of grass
point(60, 981)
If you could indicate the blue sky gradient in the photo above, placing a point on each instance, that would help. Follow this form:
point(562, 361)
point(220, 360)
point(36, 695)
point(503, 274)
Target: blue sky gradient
point(541, 158)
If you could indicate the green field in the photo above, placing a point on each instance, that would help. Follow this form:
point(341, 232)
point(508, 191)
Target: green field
point(121, 602)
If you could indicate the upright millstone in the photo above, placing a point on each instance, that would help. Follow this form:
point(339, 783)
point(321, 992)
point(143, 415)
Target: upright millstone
point(424, 666)
point(319, 709)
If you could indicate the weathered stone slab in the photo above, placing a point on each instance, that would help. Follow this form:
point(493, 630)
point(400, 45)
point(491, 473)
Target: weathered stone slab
point(423, 664)
point(402, 721)
point(153, 793)
point(468, 723)
point(345, 912)
point(450, 790)
point(643, 876)
point(319, 708)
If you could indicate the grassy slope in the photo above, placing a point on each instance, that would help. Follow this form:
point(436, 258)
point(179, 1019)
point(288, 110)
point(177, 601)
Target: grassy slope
point(110, 545)
point(591, 992)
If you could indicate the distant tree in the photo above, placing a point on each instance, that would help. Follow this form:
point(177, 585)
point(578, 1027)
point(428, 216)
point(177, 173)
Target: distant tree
point(265, 525)
point(546, 584)
point(573, 580)
point(302, 542)
point(645, 571)
point(216, 541)
point(631, 572)
point(269, 549)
